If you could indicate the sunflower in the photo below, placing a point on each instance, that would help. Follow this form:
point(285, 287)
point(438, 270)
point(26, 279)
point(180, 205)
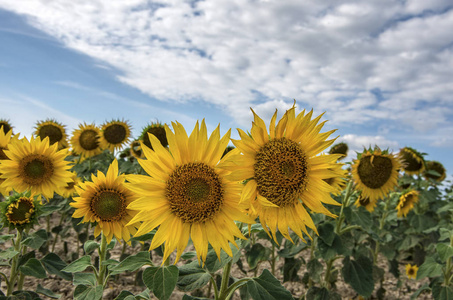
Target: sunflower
point(85, 140)
point(435, 171)
point(54, 130)
point(375, 173)
point(5, 125)
point(69, 190)
point(406, 202)
point(4, 141)
point(340, 148)
point(158, 130)
point(284, 172)
point(366, 202)
point(411, 271)
point(337, 182)
point(187, 195)
point(114, 134)
point(136, 149)
point(34, 165)
point(413, 162)
point(19, 210)
point(105, 201)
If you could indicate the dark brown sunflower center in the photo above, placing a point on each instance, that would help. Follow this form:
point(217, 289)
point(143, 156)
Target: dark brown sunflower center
point(411, 164)
point(36, 169)
point(329, 181)
point(136, 149)
point(19, 212)
point(2, 153)
point(364, 201)
point(115, 134)
point(281, 171)
point(6, 127)
point(375, 174)
point(159, 132)
point(53, 132)
point(70, 185)
point(89, 140)
point(109, 205)
point(411, 271)
point(194, 192)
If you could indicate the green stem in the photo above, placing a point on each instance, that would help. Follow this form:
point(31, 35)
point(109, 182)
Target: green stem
point(14, 271)
point(225, 279)
point(344, 203)
point(102, 255)
point(235, 286)
point(56, 235)
point(381, 227)
point(214, 284)
point(327, 275)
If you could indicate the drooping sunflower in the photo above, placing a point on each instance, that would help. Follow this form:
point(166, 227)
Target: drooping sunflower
point(411, 271)
point(114, 134)
point(375, 173)
point(340, 148)
point(54, 130)
point(406, 202)
point(187, 195)
point(412, 161)
point(284, 172)
point(69, 190)
point(34, 165)
point(136, 149)
point(85, 140)
point(366, 202)
point(5, 125)
point(435, 171)
point(19, 211)
point(157, 129)
point(104, 201)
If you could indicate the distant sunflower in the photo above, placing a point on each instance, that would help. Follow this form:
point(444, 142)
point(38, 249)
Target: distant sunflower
point(114, 134)
point(187, 196)
point(104, 201)
point(411, 271)
point(69, 190)
point(284, 172)
point(375, 173)
point(85, 140)
point(54, 130)
point(156, 129)
point(337, 182)
point(35, 166)
point(5, 125)
point(4, 141)
point(340, 148)
point(367, 203)
point(406, 202)
point(435, 171)
point(19, 211)
point(136, 149)
point(413, 162)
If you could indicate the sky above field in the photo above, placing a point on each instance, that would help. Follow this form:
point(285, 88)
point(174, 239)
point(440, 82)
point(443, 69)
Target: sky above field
point(382, 71)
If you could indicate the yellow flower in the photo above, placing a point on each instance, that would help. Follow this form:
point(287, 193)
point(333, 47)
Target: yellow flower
point(5, 125)
point(19, 211)
point(439, 173)
point(406, 203)
point(136, 149)
point(337, 182)
point(340, 148)
point(411, 271)
point(412, 161)
point(187, 195)
point(54, 130)
point(34, 166)
point(114, 134)
point(69, 190)
point(85, 140)
point(366, 202)
point(4, 141)
point(105, 201)
point(156, 129)
point(375, 173)
point(284, 173)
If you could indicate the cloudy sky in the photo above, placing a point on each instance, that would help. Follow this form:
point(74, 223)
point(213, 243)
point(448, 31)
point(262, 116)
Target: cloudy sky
point(381, 70)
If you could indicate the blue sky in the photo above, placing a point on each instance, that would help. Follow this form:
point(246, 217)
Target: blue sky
point(380, 70)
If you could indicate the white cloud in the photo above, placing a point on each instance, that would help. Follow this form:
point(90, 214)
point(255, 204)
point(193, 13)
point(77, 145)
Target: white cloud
point(359, 142)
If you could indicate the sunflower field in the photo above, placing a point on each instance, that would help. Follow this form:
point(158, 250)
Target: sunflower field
point(172, 214)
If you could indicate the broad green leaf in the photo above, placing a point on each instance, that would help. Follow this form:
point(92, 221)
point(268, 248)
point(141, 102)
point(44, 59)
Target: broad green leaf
point(161, 280)
point(213, 263)
point(267, 287)
point(6, 237)
point(190, 282)
point(258, 253)
point(315, 269)
point(326, 233)
point(24, 258)
point(90, 246)
point(132, 263)
point(78, 265)
point(144, 238)
point(318, 293)
point(33, 267)
point(430, 268)
point(444, 250)
point(36, 239)
point(46, 292)
point(123, 295)
point(88, 279)
point(290, 269)
point(83, 292)
point(54, 265)
point(46, 210)
point(441, 292)
point(417, 293)
point(328, 252)
point(8, 253)
point(359, 274)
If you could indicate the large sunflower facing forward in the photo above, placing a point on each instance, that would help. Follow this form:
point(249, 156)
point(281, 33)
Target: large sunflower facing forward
point(34, 165)
point(85, 140)
point(54, 130)
point(114, 134)
point(375, 172)
point(187, 195)
point(284, 173)
point(105, 201)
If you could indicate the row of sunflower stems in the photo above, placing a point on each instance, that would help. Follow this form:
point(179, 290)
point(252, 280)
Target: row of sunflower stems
point(256, 203)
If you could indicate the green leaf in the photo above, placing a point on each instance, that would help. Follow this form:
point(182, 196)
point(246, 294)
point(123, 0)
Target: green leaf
point(359, 274)
point(257, 254)
point(46, 292)
point(444, 250)
point(315, 269)
point(318, 293)
point(326, 233)
point(24, 258)
point(161, 280)
point(190, 282)
point(290, 269)
point(36, 239)
point(213, 263)
point(33, 267)
point(83, 292)
point(132, 263)
point(267, 287)
point(78, 265)
point(8, 253)
point(144, 238)
point(441, 292)
point(88, 279)
point(430, 268)
point(123, 295)
point(417, 293)
point(54, 265)
point(188, 297)
point(46, 210)
point(90, 246)
point(6, 237)
point(328, 252)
